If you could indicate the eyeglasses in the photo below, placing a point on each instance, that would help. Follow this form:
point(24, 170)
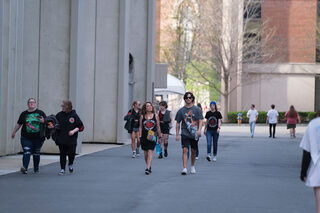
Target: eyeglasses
point(31, 102)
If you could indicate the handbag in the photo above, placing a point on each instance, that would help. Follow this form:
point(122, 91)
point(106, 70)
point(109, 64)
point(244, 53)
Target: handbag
point(151, 136)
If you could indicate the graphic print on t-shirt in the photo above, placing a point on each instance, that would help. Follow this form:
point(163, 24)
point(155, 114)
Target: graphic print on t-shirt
point(212, 122)
point(192, 126)
point(149, 124)
point(32, 123)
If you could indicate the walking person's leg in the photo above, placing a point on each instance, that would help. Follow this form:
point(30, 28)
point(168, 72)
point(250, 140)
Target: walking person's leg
point(251, 128)
point(194, 146)
point(165, 143)
point(133, 145)
point(294, 132)
point(71, 156)
point(274, 130)
point(209, 143)
point(26, 146)
point(270, 131)
point(215, 145)
point(63, 158)
point(317, 195)
point(37, 144)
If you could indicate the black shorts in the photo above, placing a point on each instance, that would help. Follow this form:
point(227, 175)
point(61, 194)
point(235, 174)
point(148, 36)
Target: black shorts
point(147, 145)
point(164, 127)
point(186, 142)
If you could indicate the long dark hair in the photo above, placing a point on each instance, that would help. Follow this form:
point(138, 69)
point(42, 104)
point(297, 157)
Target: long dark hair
point(292, 112)
point(144, 108)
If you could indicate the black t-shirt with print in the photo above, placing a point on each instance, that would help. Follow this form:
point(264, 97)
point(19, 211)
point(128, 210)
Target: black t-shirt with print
point(30, 122)
point(212, 119)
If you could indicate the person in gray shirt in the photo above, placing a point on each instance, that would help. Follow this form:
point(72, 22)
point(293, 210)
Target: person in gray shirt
point(190, 117)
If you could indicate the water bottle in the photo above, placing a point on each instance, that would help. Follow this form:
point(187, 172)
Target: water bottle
point(158, 148)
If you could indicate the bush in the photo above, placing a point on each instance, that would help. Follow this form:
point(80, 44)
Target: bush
point(262, 117)
point(311, 115)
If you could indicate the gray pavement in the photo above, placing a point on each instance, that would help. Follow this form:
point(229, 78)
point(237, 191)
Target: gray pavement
point(251, 175)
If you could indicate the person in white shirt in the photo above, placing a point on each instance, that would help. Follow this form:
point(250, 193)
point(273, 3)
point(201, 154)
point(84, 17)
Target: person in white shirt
point(310, 166)
point(272, 119)
point(253, 116)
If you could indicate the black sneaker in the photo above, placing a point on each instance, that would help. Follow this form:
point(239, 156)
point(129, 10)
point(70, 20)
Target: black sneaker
point(24, 170)
point(165, 153)
point(70, 169)
point(147, 172)
point(160, 155)
point(36, 171)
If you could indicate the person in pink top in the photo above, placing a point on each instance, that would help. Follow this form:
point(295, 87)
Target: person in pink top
point(291, 116)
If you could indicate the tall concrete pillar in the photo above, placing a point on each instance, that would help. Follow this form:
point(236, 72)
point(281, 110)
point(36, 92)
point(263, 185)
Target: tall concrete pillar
point(11, 67)
point(77, 59)
point(151, 49)
point(123, 73)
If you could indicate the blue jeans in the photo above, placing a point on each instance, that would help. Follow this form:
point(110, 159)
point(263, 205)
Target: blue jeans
point(252, 125)
point(212, 138)
point(31, 146)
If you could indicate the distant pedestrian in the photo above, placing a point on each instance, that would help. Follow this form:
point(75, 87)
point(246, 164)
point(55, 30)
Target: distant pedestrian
point(67, 135)
point(134, 116)
point(212, 130)
point(191, 118)
point(272, 119)
point(150, 132)
point(253, 116)
point(310, 168)
point(165, 119)
point(32, 134)
point(291, 116)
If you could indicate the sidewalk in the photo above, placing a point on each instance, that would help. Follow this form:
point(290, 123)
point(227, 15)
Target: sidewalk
point(12, 163)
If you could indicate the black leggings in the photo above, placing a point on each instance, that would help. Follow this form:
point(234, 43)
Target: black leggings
point(65, 150)
point(274, 129)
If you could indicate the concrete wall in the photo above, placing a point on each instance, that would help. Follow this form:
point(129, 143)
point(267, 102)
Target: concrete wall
point(77, 50)
point(282, 85)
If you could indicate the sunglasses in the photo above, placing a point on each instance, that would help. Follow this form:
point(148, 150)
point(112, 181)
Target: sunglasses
point(188, 98)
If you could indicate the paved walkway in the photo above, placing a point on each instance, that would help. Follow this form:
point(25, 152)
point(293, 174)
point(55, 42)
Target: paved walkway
point(256, 175)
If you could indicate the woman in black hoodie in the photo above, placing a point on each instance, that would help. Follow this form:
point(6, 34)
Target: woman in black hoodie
point(70, 125)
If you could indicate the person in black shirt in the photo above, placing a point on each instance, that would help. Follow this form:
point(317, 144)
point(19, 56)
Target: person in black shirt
point(150, 132)
point(134, 113)
point(32, 135)
point(67, 135)
point(212, 130)
point(165, 125)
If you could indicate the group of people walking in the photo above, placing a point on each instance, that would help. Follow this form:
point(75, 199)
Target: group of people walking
point(291, 116)
point(36, 127)
point(155, 127)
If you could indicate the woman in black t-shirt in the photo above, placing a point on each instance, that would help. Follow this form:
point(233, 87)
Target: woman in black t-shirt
point(212, 130)
point(149, 123)
point(32, 135)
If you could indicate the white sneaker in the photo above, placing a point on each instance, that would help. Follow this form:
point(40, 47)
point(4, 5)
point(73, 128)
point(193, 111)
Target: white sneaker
point(61, 172)
point(134, 155)
point(214, 159)
point(197, 158)
point(193, 170)
point(184, 171)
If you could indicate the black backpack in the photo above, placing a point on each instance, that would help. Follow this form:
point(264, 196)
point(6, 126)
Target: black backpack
point(51, 121)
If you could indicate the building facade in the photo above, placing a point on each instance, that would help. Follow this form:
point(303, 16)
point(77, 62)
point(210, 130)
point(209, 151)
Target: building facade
point(290, 76)
point(77, 50)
